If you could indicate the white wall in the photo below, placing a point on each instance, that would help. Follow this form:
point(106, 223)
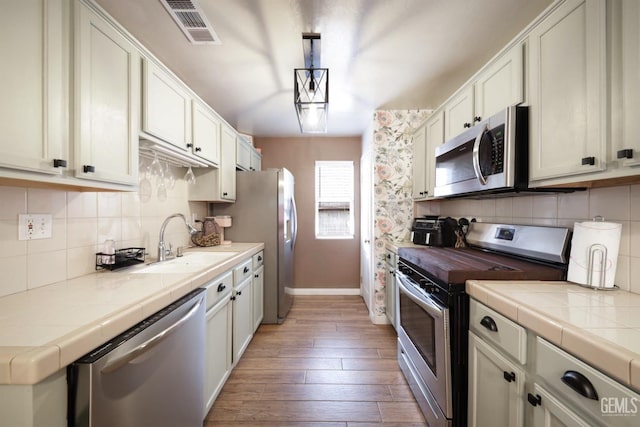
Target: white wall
point(81, 222)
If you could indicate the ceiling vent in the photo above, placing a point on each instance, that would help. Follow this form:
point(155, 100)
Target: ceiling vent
point(192, 21)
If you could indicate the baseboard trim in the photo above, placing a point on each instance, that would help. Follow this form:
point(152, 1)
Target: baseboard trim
point(324, 291)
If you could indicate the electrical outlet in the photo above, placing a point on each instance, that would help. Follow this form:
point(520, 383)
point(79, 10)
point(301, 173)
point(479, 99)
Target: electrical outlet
point(34, 226)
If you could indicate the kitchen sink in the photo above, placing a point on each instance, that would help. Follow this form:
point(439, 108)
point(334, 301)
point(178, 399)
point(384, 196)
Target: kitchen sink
point(188, 263)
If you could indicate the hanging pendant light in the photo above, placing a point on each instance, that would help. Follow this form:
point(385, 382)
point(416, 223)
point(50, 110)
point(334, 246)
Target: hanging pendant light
point(311, 88)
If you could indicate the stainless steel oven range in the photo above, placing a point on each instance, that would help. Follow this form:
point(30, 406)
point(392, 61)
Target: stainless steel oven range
point(433, 308)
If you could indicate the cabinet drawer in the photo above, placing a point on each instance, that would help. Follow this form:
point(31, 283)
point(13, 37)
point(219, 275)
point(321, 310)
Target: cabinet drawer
point(586, 388)
point(218, 288)
point(258, 259)
point(390, 258)
point(242, 271)
point(502, 332)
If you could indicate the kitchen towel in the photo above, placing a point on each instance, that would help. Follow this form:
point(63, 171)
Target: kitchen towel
point(589, 239)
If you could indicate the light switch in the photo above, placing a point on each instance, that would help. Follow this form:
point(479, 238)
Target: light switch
point(34, 226)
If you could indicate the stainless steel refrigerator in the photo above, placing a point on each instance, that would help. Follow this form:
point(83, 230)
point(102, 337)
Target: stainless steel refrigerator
point(265, 211)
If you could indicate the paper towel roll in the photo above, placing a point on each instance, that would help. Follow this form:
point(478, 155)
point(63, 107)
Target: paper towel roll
point(585, 235)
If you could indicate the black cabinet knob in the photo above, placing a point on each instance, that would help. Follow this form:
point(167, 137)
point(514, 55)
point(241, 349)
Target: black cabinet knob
point(239, 293)
point(59, 163)
point(246, 270)
point(467, 125)
point(589, 161)
point(256, 275)
point(509, 376)
point(221, 287)
point(189, 145)
point(627, 153)
point(534, 400)
point(198, 149)
point(88, 168)
point(259, 258)
point(225, 194)
point(233, 298)
point(477, 119)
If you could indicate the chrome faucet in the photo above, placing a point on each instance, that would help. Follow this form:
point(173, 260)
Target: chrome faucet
point(162, 253)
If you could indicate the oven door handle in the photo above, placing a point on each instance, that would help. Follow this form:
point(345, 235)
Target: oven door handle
point(427, 304)
point(476, 155)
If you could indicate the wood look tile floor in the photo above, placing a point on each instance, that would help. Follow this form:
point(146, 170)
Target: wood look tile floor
point(327, 365)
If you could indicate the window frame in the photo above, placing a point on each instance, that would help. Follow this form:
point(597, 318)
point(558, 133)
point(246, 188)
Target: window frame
point(350, 201)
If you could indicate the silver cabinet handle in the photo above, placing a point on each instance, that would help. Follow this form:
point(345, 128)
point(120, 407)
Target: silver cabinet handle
point(150, 343)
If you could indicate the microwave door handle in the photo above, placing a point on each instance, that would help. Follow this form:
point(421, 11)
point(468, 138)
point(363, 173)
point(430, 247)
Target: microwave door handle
point(476, 156)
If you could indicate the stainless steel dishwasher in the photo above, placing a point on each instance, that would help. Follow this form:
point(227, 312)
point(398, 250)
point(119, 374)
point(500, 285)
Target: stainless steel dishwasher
point(150, 375)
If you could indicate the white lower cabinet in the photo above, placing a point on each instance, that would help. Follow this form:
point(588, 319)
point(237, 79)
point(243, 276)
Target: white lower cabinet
point(257, 292)
point(496, 387)
point(390, 288)
point(218, 356)
point(242, 318)
point(550, 412)
point(557, 388)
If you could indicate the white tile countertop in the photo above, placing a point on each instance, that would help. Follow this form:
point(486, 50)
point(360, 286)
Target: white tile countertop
point(600, 327)
point(45, 329)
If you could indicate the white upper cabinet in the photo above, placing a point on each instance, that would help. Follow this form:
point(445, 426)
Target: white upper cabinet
point(459, 113)
point(567, 91)
point(33, 78)
point(625, 102)
point(500, 84)
point(256, 160)
point(497, 86)
point(206, 133)
point(243, 154)
point(419, 148)
point(166, 107)
point(107, 101)
point(425, 140)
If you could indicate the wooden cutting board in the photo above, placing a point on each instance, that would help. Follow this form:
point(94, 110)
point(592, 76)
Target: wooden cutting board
point(458, 265)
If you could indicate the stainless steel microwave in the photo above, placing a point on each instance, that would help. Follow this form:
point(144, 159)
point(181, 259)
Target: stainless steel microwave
point(490, 157)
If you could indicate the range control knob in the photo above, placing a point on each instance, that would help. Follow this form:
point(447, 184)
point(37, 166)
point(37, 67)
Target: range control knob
point(430, 288)
point(424, 283)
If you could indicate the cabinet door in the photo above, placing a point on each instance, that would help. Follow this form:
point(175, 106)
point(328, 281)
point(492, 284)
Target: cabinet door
point(390, 294)
point(419, 149)
point(625, 144)
point(206, 133)
point(550, 412)
point(500, 85)
point(496, 387)
point(258, 297)
point(107, 107)
point(218, 357)
point(228, 164)
point(34, 79)
point(256, 161)
point(458, 113)
point(568, 91)
point(435, 136)
point(242, 318)
point(243, 154)
point(166, 107)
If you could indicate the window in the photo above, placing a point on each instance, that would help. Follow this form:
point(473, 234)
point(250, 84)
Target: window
point(334, 200)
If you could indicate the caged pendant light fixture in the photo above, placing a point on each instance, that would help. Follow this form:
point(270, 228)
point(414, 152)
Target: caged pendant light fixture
point(311, 88)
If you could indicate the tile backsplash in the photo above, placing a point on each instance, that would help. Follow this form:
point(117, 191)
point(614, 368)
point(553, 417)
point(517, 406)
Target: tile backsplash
point(616, 204)
point(82, 221)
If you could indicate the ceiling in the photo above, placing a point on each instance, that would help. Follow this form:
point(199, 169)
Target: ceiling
point(381, 54)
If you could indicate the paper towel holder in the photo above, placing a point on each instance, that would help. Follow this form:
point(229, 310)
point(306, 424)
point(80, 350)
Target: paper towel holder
point(595, 249)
